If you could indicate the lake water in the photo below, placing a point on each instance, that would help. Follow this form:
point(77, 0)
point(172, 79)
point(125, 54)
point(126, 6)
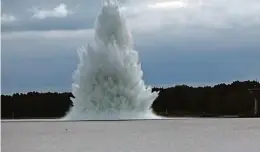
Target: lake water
point(175, 135)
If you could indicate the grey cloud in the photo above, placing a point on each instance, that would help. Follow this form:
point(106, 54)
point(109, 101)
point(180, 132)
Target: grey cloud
point(7, 18)
point(68, 23)
point(59, 11)
point(82, 17)
point(195, 13)
point(213, 14)
point(48, 64)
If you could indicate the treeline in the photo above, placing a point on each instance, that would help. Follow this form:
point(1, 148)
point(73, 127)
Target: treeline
point(35, 105)
point(221, 100)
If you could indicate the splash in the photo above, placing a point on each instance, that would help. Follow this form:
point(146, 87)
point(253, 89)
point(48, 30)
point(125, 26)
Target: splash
point(108, 82)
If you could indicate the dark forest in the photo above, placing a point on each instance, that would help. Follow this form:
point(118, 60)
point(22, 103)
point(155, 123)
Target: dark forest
point(222, 100)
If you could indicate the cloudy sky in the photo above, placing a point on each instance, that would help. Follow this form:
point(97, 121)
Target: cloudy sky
point(193, 42)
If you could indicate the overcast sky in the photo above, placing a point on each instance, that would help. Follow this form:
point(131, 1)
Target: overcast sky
point(194, 42)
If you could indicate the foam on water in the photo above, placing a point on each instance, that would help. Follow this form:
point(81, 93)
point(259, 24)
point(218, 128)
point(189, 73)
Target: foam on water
point(108, 82)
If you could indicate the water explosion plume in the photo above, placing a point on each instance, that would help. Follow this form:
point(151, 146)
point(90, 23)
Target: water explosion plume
point(108, 82)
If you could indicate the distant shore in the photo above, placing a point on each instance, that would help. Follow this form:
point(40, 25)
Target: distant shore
point(233, 100)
